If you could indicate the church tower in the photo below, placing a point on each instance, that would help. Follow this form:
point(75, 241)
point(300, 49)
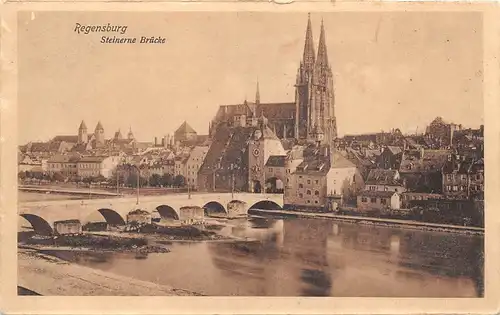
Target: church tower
point(314, 95)
point(130, 135)
point(82, 133)
point(99, 134)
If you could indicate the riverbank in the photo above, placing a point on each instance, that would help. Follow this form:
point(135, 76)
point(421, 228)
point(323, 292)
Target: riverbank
point(395, 223)
point(47, 275)
point(90, 241)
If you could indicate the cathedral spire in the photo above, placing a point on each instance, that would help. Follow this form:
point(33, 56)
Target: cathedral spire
point(322, 59)
point(308, 57)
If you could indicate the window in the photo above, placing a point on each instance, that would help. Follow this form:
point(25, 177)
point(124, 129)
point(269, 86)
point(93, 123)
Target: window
point(300, 176)
point(464, 177)
point(288, 180)
point(317, 181)
point(363, 199)
point(386, 188)
point(308, 192)
point(383, 201)
point(308, 201)
point(448, 176)
point(301, 195)
point(301, 186)
point(288, 171)
point(373, 200)
point(315, 201)
point(455, 188)
point(316, 193)
point(308, 181)
point(270, 169)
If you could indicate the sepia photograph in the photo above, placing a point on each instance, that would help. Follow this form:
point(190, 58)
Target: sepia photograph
point(253, 154)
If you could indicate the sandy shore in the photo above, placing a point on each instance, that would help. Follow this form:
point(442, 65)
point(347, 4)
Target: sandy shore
point(47, 275)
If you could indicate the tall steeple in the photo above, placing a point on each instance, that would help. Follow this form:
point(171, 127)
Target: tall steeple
point(314, 93)
point(308, 57)
point(322, 60)
point(257, 94)
point(130, 135)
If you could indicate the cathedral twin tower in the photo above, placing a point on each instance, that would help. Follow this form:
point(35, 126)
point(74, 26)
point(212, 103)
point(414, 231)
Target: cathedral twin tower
point(314, 96)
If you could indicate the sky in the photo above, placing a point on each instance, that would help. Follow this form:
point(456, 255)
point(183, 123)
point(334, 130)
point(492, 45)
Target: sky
point(391, 69)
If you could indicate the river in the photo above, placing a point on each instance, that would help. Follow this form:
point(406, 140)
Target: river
point(305, 257)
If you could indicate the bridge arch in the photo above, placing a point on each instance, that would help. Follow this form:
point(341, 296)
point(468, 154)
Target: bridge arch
point(167, 212)
point(214, 208)
point(265, 205)
point(111, 216)
point(39, 224)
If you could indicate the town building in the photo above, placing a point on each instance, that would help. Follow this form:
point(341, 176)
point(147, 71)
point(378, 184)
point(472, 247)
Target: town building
point(94, 166)
point(185, 135)
point(193, 164)
point(421, 170)
point(390, 158)
point(323, 175)
point(442, 132)
point(66, 165)
point(168, 166)
point(180, 165)
point(463, 177)
point(226, 164)
point(370, 200)
point(385, 180)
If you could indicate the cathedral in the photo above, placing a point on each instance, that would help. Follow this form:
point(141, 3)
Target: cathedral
point(314, 96)
point(311, 118)
point(249, 139)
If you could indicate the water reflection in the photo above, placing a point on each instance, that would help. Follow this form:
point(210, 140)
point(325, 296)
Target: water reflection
point(300, 257)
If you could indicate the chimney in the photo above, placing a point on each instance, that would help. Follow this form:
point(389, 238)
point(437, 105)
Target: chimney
point(422, 151)
point(156, 141)
point(163, 142)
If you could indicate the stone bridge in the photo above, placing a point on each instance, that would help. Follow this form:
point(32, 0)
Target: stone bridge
point(43, 214)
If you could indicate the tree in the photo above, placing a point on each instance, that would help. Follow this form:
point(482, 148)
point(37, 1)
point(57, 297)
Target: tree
point(143, 181)
point(155, 180)
point(132, 181)
point(179, 181)
point(58, 177)
point(100, 178)
point(166, 180)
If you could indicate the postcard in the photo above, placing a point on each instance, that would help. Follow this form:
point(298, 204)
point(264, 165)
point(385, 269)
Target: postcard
point(229, 160)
